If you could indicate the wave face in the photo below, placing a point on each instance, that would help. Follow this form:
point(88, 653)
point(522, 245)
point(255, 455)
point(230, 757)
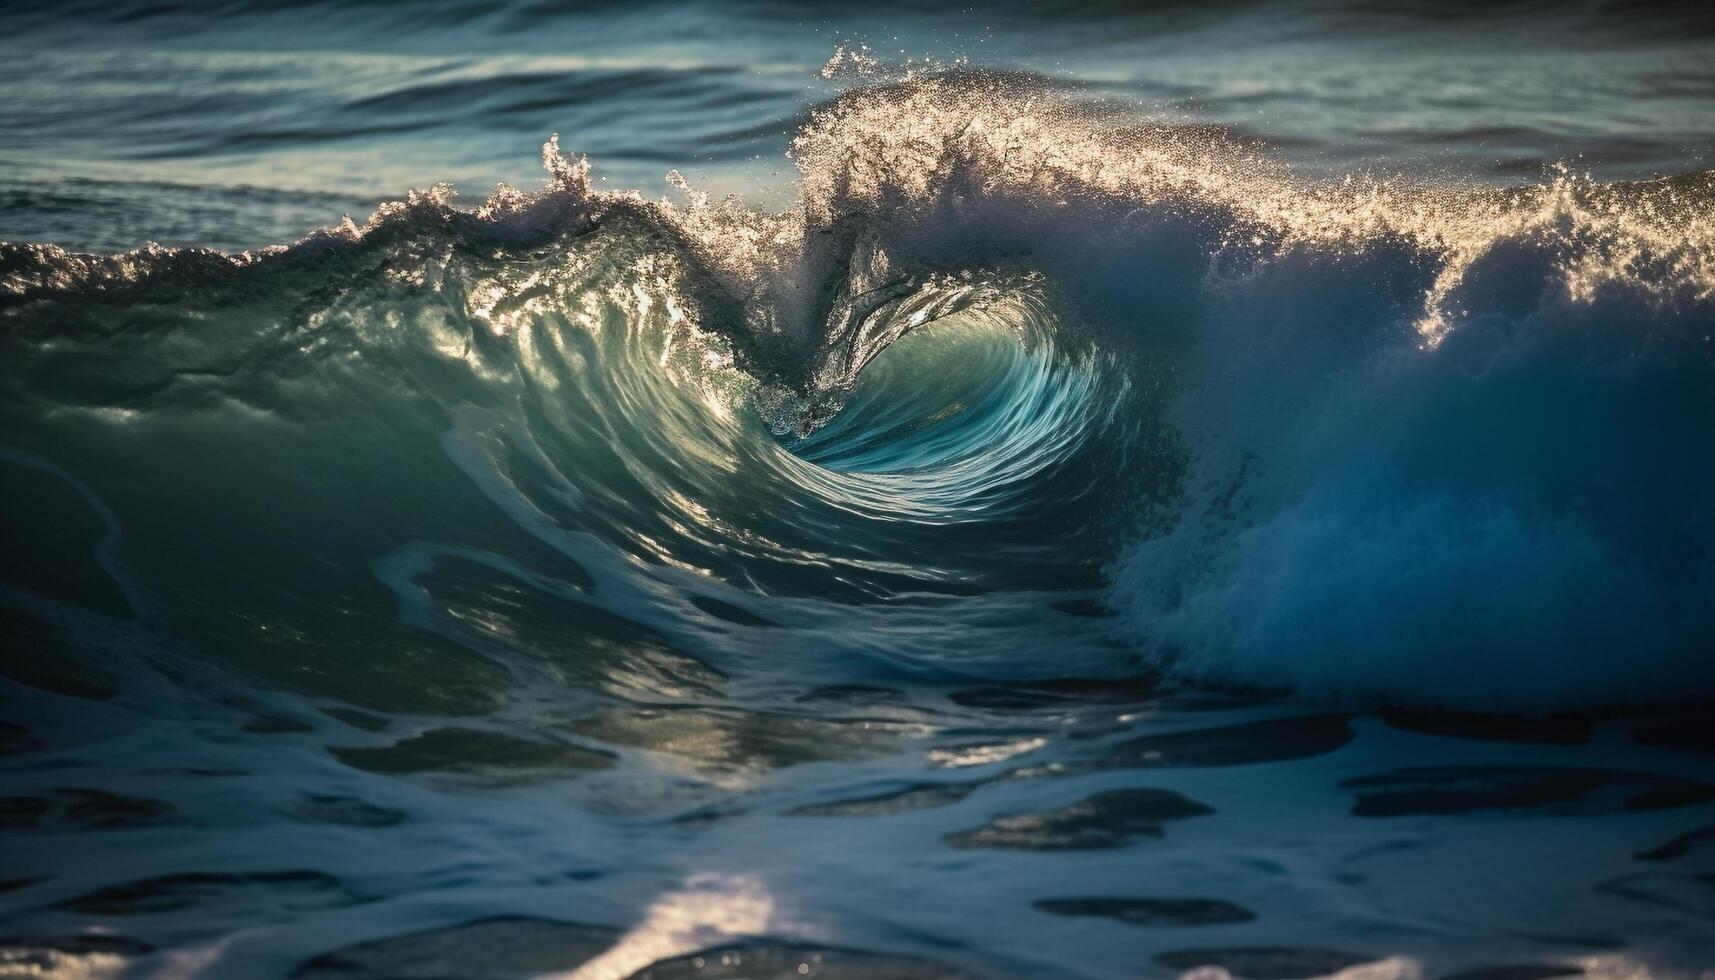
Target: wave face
point(1363, 440)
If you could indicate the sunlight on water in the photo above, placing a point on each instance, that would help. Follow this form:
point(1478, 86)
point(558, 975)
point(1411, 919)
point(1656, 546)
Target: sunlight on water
point(1061, 491)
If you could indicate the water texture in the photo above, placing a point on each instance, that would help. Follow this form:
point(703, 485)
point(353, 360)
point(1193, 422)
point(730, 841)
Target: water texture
point(1049, 491)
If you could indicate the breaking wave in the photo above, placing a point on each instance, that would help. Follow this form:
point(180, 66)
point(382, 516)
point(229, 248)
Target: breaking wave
point(1021, 385)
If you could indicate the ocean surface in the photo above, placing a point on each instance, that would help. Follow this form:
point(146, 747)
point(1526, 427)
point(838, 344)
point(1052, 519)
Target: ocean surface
point(499, 489)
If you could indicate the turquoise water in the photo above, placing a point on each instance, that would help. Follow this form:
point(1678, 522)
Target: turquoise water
point(888, 492)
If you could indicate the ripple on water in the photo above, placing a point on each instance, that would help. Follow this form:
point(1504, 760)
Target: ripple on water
point(1105, 820)
point(474, 752)
point(1542, 789)
point(1170, 912)
point(1265, 962)
point(498, 948)
point(763, 960)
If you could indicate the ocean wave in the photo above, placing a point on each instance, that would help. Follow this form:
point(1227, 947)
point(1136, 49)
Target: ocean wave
point(1367, 438)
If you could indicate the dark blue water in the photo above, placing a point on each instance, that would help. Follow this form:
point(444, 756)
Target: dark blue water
point(1048, 490)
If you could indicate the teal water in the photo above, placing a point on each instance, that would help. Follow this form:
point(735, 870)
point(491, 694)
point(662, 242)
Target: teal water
point(1032, 492)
